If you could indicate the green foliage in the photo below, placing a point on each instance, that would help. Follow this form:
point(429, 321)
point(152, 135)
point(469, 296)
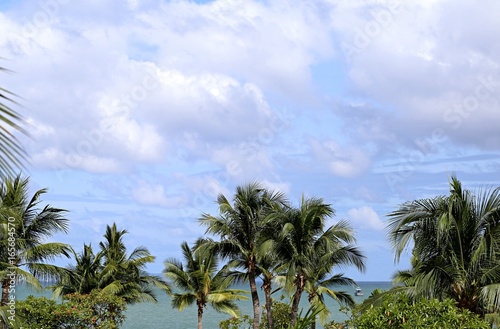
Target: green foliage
point(24, 228)
point(281, 315)
point(398, 312)
point(94, 311)
point(12, 154)
point(455, 247)
point(243, 322)
point(112, 269)
point(201, 282)
point(335, 325)
point(281, 318)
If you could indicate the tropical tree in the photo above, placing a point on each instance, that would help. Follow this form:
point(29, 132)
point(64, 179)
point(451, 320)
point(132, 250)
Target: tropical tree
point(456, 249)
point(201, 281)
point(320, 279)
point(84, 276)
point(112, 271)
point(239, 226)
point(12, 154)
point(302, 236)
point(25, 227)
point(126, 275)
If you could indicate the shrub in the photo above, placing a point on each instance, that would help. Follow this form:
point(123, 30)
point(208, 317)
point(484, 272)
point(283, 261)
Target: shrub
point(281, 318)
point(93, 311)
point(398, 312)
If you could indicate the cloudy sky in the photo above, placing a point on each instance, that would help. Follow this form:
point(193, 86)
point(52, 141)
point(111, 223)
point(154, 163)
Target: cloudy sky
point(142, 111)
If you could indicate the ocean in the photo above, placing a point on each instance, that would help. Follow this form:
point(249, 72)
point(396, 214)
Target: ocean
point(161, 315)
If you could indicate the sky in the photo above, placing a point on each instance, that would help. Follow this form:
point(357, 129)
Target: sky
point(141, 112)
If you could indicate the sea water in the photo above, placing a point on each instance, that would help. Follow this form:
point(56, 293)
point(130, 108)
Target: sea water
point(161, 315)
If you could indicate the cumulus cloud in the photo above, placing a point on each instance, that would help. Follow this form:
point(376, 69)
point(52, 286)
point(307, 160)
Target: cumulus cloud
point(365, 218)
point(341, 161)
point(427, 66)
point(155, 195)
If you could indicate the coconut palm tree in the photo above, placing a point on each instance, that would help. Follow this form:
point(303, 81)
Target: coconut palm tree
point(456, 252)
point(112, 271)
point(201, 281)
point(12, 154)
point(24, 252)
point(321, 280)
point(239, 226)
point(84, 276)
point(302, 235)
point(125, 275)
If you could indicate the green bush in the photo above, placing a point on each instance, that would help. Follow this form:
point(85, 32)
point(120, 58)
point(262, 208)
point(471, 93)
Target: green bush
point(281, 315)
point(281, 318)
point(243, 322)
point(398, 312)
point(93, 311)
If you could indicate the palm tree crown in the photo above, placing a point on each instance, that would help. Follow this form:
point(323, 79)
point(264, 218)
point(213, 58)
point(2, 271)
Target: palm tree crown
point(201, 281)
point(112, 270)
point(30, 226)
point(456, 253)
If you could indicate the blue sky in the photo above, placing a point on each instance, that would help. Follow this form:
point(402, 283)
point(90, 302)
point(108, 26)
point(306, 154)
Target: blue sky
point(141, 112)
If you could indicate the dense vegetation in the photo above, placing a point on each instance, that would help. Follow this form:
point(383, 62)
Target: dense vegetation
point(96, 310)
point(456, 249)
point(399, 312)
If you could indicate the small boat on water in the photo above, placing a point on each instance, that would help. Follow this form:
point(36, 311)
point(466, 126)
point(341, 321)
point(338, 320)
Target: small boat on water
point(358, 292)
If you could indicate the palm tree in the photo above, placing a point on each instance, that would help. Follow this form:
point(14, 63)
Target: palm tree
point(84, 276)
point(302, 235)
point(25, 227)
point(11, 153)
point(456, 251)
point(125, 275)
point(320, 279)
point(239, 227)
point(112, 271)
point(201, 282)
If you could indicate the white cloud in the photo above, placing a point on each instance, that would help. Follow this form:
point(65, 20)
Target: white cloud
point(154, 194)
point(427, 66)
point(54, 159)
point(365, 218)
point(341, 161)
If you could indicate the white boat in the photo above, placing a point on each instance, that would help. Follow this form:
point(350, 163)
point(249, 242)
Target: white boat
point(358, 292)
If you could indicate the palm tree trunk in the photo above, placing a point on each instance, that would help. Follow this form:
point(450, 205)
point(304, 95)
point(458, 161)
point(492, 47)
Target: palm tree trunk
point(310, 298)
point(253, 292)
point(200, 315)
point(5, 291)
point(5, 298)
point(269, 309)
point(299, 284)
